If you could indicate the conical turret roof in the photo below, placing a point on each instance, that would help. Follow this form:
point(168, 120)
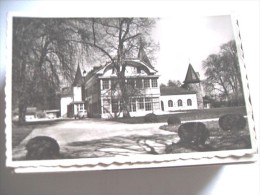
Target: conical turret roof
point(78, 78)
point(143, 57)
point(191, 76)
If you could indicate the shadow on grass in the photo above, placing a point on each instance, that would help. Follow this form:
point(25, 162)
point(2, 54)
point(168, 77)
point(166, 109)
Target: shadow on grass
point(218, 141)
point(156, 145)
point(119, 146)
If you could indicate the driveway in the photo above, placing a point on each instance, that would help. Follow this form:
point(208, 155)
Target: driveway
point(101, 138)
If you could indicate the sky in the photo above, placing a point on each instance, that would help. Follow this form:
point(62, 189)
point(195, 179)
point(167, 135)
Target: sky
point(189, 40)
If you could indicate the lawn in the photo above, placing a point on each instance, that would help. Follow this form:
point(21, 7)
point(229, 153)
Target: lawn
point(160, 141)
point(188, 115)
point(19, 132)
point(218, 139)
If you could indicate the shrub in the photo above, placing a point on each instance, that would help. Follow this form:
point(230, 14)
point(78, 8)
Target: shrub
point(232, 122)
point(42, 148)
point(174, 120)
point(193, 133)
point(150, 118)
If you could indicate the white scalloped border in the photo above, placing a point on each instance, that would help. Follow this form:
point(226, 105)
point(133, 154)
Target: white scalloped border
point(136, 161)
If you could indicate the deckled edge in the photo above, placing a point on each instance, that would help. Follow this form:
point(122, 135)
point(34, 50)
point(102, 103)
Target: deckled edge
point(8, 88)
point(118, 166)
point(245, 81)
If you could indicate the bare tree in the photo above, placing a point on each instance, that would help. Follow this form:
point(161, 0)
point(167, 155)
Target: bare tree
point(41, 58)
point(223, 74)
point(174, 83)
point(46, 51)
point(118, 39)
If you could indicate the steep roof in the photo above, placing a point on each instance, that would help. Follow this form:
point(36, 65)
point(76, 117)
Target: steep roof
point(78, 77)
point(175, 91)
point(191, 76)
point(129, 62)
point(143, 57)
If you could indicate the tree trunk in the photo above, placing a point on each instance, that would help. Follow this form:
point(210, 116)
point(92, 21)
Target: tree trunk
point(22, 112)
point(124, 95)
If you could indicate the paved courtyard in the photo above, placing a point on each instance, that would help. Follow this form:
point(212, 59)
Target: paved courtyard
point(90, 138)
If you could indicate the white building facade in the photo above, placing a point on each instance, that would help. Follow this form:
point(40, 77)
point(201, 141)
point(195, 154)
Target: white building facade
point(171, 103)
point(100, 94)
point(141, 83)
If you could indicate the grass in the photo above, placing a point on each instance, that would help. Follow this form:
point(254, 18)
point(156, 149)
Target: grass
point(218, 140)
point(188, 115)
point(20, 132)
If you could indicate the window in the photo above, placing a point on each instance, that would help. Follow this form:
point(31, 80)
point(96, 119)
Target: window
point(133, 105)
point(154, 83)
point(138, 70)
point(81, 107)
point(139, 83)
point(156, 104)
point(140, 103)
point(148, 104)
point(146, 83)
point(179, 103)
point(170, 103)
point(105, 84)
point(189, 102)
point(115, 105)
point(106, 105)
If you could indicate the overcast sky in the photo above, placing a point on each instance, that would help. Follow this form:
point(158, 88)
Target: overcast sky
point(184, 40)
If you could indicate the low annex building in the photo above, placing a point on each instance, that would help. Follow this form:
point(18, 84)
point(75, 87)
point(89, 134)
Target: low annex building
point(98, 92)
point(177, 98)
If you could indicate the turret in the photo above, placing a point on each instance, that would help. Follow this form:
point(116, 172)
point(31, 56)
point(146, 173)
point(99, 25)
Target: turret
point(192, 83)
point(142, 55)
point(77, 85)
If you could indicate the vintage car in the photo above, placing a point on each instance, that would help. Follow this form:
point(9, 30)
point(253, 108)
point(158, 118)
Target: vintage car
point(81, 114)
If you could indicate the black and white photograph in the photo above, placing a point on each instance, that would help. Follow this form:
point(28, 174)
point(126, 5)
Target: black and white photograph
point(101, 90)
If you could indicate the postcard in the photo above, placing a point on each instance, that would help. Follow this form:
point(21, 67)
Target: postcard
point(127, 92)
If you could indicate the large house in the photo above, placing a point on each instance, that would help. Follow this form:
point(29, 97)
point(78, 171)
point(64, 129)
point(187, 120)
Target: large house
point(98, 92)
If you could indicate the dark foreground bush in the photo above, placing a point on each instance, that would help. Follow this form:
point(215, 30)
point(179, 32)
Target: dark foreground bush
point(193, 133)
point(173, 120)
point(150, 118)
point(232, 122)
point(42, 148)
